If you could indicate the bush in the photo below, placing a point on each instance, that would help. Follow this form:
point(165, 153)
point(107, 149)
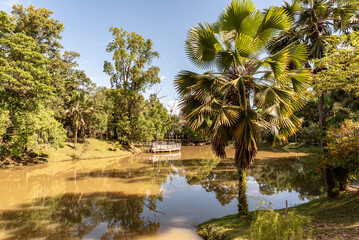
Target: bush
point(343, 152)
point(270, 225)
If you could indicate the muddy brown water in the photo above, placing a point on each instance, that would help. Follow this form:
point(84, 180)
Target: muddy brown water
point(146, 196)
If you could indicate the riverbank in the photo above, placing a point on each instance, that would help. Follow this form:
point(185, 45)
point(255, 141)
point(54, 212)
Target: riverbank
point(330, 218)
point(87, 149)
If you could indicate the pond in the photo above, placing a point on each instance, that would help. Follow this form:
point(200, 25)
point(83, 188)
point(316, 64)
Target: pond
point(145, 196)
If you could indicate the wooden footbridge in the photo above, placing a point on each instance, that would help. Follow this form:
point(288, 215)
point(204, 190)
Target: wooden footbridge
point(161, 146)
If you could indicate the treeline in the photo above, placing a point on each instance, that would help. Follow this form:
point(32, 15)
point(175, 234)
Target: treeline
point(46, 99)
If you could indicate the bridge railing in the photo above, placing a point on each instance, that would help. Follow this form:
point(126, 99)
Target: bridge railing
point(161, 146)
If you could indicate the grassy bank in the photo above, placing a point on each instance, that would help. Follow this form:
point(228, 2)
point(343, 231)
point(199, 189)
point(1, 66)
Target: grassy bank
point(330, 219)
point(90, 148)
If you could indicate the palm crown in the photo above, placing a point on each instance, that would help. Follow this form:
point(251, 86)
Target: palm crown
point(245, 90)
point(315, 21)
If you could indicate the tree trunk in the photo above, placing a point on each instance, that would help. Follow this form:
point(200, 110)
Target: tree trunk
point(114, 122)
point(322, 122)
point(331, 181)
point(76, 132)
point(342, 176)
point(242, 198)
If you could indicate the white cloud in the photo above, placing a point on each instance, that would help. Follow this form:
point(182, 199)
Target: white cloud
point(163, 78)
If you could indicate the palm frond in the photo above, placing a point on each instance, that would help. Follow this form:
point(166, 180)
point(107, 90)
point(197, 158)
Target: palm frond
point(236, 17)
point(201, 46)
point(275, 20)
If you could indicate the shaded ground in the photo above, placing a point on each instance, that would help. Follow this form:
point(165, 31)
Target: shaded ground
point(331, 219)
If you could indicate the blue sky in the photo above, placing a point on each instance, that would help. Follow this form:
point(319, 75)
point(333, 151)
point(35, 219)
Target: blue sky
point(166, 22)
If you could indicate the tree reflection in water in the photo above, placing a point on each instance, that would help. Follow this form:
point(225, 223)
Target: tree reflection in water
point(288, 175)
point(73, 215)
point(121, 215)
point(273, 176)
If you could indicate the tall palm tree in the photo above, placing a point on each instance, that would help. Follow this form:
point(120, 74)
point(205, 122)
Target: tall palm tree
point(316, 20)
point(79, 104)
point(245, 90)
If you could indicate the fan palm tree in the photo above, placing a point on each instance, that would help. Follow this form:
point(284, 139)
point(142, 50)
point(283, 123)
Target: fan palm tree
point(245, 90)
point(316, 20)
point(79, 104)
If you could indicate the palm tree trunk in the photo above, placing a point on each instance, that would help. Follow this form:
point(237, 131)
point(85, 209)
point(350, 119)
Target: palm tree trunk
point(242, 198)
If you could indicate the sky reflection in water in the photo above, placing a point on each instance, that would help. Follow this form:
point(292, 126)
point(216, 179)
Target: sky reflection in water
point(145, 196)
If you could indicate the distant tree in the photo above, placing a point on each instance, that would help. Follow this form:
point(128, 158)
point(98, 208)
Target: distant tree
point(38, 24)
point(131, 73)
point(97, 121)
point(80, 104)
point(157, 114)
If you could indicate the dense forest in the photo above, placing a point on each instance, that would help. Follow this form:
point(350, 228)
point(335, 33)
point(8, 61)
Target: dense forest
point(46, 99)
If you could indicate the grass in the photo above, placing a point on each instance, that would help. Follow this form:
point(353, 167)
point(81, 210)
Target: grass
point(90, 148)
point(87, 149)
point(330, 219)
point(291, 147)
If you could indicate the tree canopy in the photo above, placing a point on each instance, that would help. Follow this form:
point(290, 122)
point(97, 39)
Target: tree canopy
point(243, 93)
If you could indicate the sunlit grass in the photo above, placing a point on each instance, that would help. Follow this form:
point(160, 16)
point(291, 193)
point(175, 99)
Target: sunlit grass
point(330, 218)
point(90, 148)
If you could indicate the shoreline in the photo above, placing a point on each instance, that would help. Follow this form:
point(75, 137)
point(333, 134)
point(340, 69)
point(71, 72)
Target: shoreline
point(87, 150)
point(330, 218)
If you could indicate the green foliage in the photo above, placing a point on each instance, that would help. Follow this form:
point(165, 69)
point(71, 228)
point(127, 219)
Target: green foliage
point(243, 93)
point(314, 22)
point(36, 128)
point(24, 79)
point(340, 65)
point(270, 225)
point(25, 88)
point(97, 121)
point(330, 219)
point(34, 74)
point(131, 74)
point(4, 122)
point(38, 24)
point(343, 150)
point(80, 104)
point(131, 54)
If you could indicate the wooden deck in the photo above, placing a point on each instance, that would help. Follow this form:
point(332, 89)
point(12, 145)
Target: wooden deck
point(157, 147)
point(165, 147)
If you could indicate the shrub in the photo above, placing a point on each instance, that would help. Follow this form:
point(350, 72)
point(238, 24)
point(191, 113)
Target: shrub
point(270, 225)
point(343, 151)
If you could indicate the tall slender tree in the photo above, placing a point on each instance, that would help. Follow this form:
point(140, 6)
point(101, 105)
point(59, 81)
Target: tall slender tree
point(80, 104)
point(131, 73)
